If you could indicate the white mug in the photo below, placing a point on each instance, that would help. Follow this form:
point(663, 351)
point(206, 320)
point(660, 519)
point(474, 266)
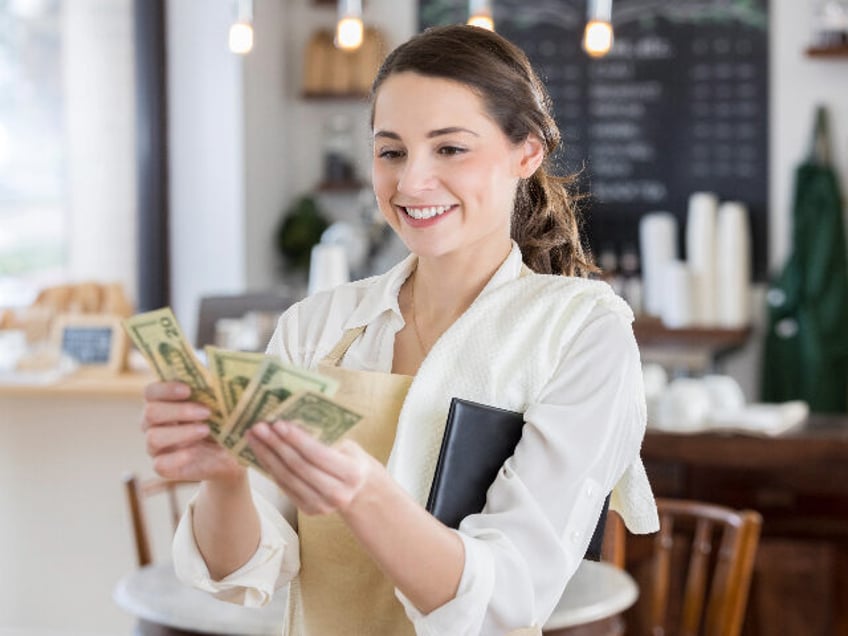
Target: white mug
point(327, 267)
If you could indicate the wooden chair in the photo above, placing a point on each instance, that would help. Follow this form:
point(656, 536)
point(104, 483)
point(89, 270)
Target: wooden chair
point(213, 308)
point(615, 536)
point(137, 491)
point(715, 591)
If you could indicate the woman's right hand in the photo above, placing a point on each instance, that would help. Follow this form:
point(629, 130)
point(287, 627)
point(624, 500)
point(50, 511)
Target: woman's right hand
point(178, 438)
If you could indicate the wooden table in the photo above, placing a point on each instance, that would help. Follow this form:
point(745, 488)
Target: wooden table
point(798, 481)
point(591, 603)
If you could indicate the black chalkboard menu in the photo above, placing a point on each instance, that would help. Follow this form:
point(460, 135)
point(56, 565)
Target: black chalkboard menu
point(679, 105)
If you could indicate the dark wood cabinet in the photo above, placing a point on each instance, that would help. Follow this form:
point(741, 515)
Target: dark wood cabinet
point(799, 483)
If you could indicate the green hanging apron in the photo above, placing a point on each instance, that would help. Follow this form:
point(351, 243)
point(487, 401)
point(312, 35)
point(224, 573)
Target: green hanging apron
point(806, 343)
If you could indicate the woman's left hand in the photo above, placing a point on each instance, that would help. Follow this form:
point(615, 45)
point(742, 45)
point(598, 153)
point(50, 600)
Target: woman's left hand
point(317, 478)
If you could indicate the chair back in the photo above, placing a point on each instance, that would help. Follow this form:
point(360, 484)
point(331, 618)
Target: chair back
point(213, 308)
point(721, 544)
point(137, 491)
point(615, 537)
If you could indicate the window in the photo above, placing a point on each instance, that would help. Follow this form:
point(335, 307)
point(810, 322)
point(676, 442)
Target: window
point(33, 236)
point(67, 145)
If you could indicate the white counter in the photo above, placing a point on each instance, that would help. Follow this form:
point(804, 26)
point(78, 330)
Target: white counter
point(65, 538)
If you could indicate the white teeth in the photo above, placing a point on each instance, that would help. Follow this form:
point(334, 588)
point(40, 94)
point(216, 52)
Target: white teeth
point(427, 212)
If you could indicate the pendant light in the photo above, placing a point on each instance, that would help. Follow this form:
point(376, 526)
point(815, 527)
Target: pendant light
point(349, 28)
point(241, 31)
point(598, 36)
point(480, 14)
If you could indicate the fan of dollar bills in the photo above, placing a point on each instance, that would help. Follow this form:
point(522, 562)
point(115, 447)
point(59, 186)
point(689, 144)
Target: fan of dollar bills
point(240, 388)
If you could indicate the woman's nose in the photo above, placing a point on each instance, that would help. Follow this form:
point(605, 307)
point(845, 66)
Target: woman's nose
point(417, 175)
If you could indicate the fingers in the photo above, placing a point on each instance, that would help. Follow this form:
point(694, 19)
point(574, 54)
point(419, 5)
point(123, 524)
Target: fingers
point(162, 439)
point(304, 496)
point(161, 413)
point(166, 391)
point(317, 476)
point(203, 460)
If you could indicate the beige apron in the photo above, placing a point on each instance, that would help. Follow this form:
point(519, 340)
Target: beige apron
point(341, 590)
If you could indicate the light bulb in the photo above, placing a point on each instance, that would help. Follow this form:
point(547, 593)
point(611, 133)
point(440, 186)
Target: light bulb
point(241, 38)
point(349, 34)
point(598, 36)
point(597, 39)
point(480, 14)
point(482, 21)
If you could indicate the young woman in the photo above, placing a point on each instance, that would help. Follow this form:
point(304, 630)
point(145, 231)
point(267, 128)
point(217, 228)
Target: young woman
point(490, 306)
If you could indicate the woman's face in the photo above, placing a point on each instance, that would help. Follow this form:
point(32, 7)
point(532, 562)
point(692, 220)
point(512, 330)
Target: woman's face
point(444, 173)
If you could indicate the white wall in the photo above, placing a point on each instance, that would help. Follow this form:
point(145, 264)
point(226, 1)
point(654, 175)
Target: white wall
point(99, 94)
point(267, 150)
point(798, 84)
point(206, 156)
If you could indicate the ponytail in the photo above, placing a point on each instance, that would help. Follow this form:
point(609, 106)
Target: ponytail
point(545, 225)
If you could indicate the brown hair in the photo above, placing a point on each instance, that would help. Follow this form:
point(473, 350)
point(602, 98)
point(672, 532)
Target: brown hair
point(545, 218)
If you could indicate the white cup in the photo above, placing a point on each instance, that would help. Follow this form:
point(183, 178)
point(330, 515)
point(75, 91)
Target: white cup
point(328, 267)
point(13, 346)
point(684, 406)
point(725, 393)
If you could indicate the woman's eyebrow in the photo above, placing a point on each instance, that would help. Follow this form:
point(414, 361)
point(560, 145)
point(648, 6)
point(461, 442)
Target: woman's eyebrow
point(450, 130)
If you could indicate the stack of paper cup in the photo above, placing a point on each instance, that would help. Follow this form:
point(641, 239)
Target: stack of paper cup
point(658, 245)
point(327, 267)
point(677, 301)
point(733, 254)
point(701, 255)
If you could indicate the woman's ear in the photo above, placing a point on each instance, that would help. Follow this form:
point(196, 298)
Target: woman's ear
point(532, 156)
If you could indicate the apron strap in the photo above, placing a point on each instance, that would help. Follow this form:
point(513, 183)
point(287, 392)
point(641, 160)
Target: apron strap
point(348, 337)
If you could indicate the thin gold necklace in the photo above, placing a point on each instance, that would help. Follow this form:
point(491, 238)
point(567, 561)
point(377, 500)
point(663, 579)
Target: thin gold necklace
point(424, 349)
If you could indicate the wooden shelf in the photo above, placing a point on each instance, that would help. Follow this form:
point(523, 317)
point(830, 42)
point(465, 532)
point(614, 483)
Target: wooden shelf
point(328, 97)
point(828, 51)
point(334, 187)
point(651, 332)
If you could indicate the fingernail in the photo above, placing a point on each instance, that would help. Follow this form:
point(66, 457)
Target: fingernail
point(282, 427)
point(200, 413)
point(261, 430)
point(200, 428)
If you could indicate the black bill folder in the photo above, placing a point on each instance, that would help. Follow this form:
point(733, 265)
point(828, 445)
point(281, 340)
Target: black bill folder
point(478, 439)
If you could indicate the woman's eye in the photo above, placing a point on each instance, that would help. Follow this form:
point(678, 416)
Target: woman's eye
point(451, 150)
point(389, 154)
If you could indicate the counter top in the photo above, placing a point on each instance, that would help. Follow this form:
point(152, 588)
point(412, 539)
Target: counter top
point(83, 383)
point(821, 438)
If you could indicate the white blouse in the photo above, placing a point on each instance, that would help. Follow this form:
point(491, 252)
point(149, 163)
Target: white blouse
point(584, 426)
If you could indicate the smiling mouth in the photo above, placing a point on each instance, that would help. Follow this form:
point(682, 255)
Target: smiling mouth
point(421, 213)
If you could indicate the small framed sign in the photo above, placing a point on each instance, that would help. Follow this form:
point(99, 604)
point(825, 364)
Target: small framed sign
point(93, 340)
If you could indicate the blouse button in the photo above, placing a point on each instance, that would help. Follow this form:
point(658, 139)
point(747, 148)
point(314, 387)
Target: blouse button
point(575, 536)
point(589, 491)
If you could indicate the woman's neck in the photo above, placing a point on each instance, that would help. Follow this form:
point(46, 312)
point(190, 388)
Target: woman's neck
point(445, 287)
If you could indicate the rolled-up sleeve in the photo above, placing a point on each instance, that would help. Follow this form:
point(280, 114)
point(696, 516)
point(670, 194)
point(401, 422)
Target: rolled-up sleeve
point(275, 562)
point(580, 436)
